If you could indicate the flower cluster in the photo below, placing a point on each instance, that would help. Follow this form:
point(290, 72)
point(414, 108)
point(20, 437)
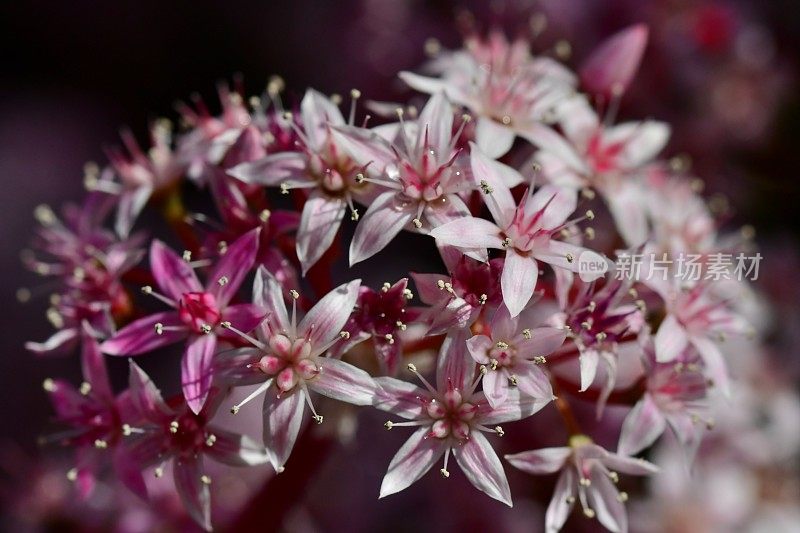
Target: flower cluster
point(513, 316)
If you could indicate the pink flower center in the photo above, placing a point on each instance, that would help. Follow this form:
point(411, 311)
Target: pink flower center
point(451, 416)
point(603, 158)
point(290, 361)
point(503, 353)
point(199, 311)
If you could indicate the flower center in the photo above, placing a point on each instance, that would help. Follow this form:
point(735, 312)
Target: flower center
point(290, 361)
point(199, 311)
point(502, 354)
point(451, 415)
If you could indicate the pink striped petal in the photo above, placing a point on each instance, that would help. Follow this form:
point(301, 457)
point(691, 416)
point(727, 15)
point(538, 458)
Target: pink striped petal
point(479, 347)
point(671, 339)
point(61, 341)
point(611, 67)
point(518, 281)
point(643, 425)
point(94, 365)
point(268, 294)
point(716, 369)
point(197, 370)
point(589, 360)
point(273, 170)
point(516, 407)
point(562, 501)
point(411, 461)
point(230, 271)
point(493, 138)
point(400, 398)
point(236, 450)
point(145, 396)
point(384, 219)
point(141, 337)
point(325, 320)
point(322, 217)
point(532, 380)
point(480, 464)
point(542, 461)
point(497, 175)
point(173, 275)
point(543, 341)
point(495, 387)
point(195, 495)
point(604, 500)
point(343, 381)
point(545, 138)
point(130, 205)
point(469, 232)
point(244, 317)
point(318, 113)
point(283, 417)
point(455, 368)
point(503, 325)
point(435, 121)
point(365, 147)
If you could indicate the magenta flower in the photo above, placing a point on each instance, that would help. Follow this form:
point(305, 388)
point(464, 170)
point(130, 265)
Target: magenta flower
point(96, 418)
point(199, 313)
point(588, 474)
point(186, 438)
point(508, 90)
point(526, 232)
point(289, 361)
point(676, 396)
point(512, 355)
point(380, 315)
point(456, 301)
point(324, 167)
point(421, 170)
point(450, 418)
point(608, 71)
point(608, 158)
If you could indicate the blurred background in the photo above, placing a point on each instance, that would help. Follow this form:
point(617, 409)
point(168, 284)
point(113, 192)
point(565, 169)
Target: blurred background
point(723, 73)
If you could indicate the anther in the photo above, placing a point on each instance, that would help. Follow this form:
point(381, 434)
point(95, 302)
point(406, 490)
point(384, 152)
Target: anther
point(485, 187)
point(622, 497)
point(499, 431)
point(527, 333)
point(506, 242)
point(386, 286)
point(389, 338)
point(590, 214)
point(400, 325)
point(444, 472)
point(344, 334)
point(355, 94)
point(100, 444)
point(294, 294)
point(539, 360)
point(173, 426)
point(264, 215)
point(234, 409)
point(72, 474)
point(482, 299)
point(158, 472)
point(588, 513)
point(187, 255)
point(284, 188)
point(211, 440)
point(388, 425)
point(513, 379)
point(205, 479)
point(412, 368)
point(408, 294)
point(589, 233)
point(223, 281)
point(205, 328)
point(585, 482)
point(493, 363)
point(502, 345)
point(318, 419)
point(222, 247)
point(613, 476)
point(360, 178)
point(570, 258)
point(417, 223)
point(86, 388)
point(354, 215)
point(440, 284)
point(49, 385)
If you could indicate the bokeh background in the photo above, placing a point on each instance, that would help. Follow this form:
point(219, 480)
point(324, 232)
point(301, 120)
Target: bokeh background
point(724, 73)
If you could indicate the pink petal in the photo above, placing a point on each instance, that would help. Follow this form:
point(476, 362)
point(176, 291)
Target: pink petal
point(532, 380)
point(543, 341)
point(643, 425)
point(503, 325)
point(562, 501)
point(66, 400)
point(343, 381)
point(578, 120)
point(282, 420)
point(236, 450)
point(427, 287)
point(318, 112)
point(588, 361)
point(195, 495)
point(400, 398)
point(249, 146)
point(628, 465)
point(129, 471)
point(455, 368)
point(469, 232)
point(244, 317)
point(144, 394)
point(328, 316)
point(558, 204)
point(516, 407)
point(384, 219)
point(495, 387)
point(173, 275)
point(604, 500)
point(432, 86)
point(365, 147)
point(518, 281)
point(716, 369)
point(642, 141)
point(141, 337)
point(439, 214)
point(322, 216)
point(412, 460)
point(482, 467)
point(611, 67)
point(626, 204)
point(197, 370)
point(436, 120)
point(479, 347)
point(670, 339)
point(268, 294)
point(493, 138)
point(542, 461)
point(455, 313)
point(130, 205)
point(233, 267)
point(500, 202)
point(94, 365)
point(551, 142)
point(273, 170)
point(388, 355)
point(60, 342)
point(569, 256)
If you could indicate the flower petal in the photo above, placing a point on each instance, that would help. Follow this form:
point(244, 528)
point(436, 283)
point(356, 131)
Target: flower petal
point(714, 362)
point(173, 275)
point(273, 170)
point(235, 449)
point(130, 205)
point(643, 425)
point(454, 366)
point(197, 371)
point(232, 268)
point(548, 140)
point(145, 396)
point(60, 341)
point(469, 232)
point(482, 467)
point(436, 123)
point(283, 417)
point(542, 461)
point(384, 219)
point(610, 68)
point(365, 147)
point(543, 341)
point(140, 336)
point(325, 320)
point(321, 219)
point(518, 281)
point(343, 381)
point(516, 407)
point(627, 465)
point(479, 347)
point(493, 138)
point(588, 361)
point(495, 387)
point(268, 294)
point(562, 501)
point(94, 366)
point(244, 317)
point(626, 205)
point(411, 461)
point(398, 397)
point(671, 339)
point(604, 499)
point(318, 113)
point(532, 380)
point(497, 175)
point(195, 495)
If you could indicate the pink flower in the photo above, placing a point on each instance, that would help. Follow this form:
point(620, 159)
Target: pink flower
point(323, 167)
point(95, 417)
point(676, 396)
point(289, 361)
point(186, 438)
point(698, 318)
point(199, 313)
point(450, 418)
point(608, 71)
point(608, 158)
point(381, 316)
point(526, 232)
point(421, 173)
point(512, 355)
point(588, 474)
point(457, 300)
point(503, 85)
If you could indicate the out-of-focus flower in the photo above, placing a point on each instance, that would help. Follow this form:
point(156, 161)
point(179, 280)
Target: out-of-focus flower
point(185, 437)
point(526, 232)
point(512, 356)
point(588, 474)
point(288, 360)
point(510, 92)
point(199, 313)
point(609, 70)
point(451, 418)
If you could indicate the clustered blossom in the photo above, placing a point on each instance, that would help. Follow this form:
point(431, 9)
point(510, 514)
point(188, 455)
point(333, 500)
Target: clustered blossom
point(508, 322)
